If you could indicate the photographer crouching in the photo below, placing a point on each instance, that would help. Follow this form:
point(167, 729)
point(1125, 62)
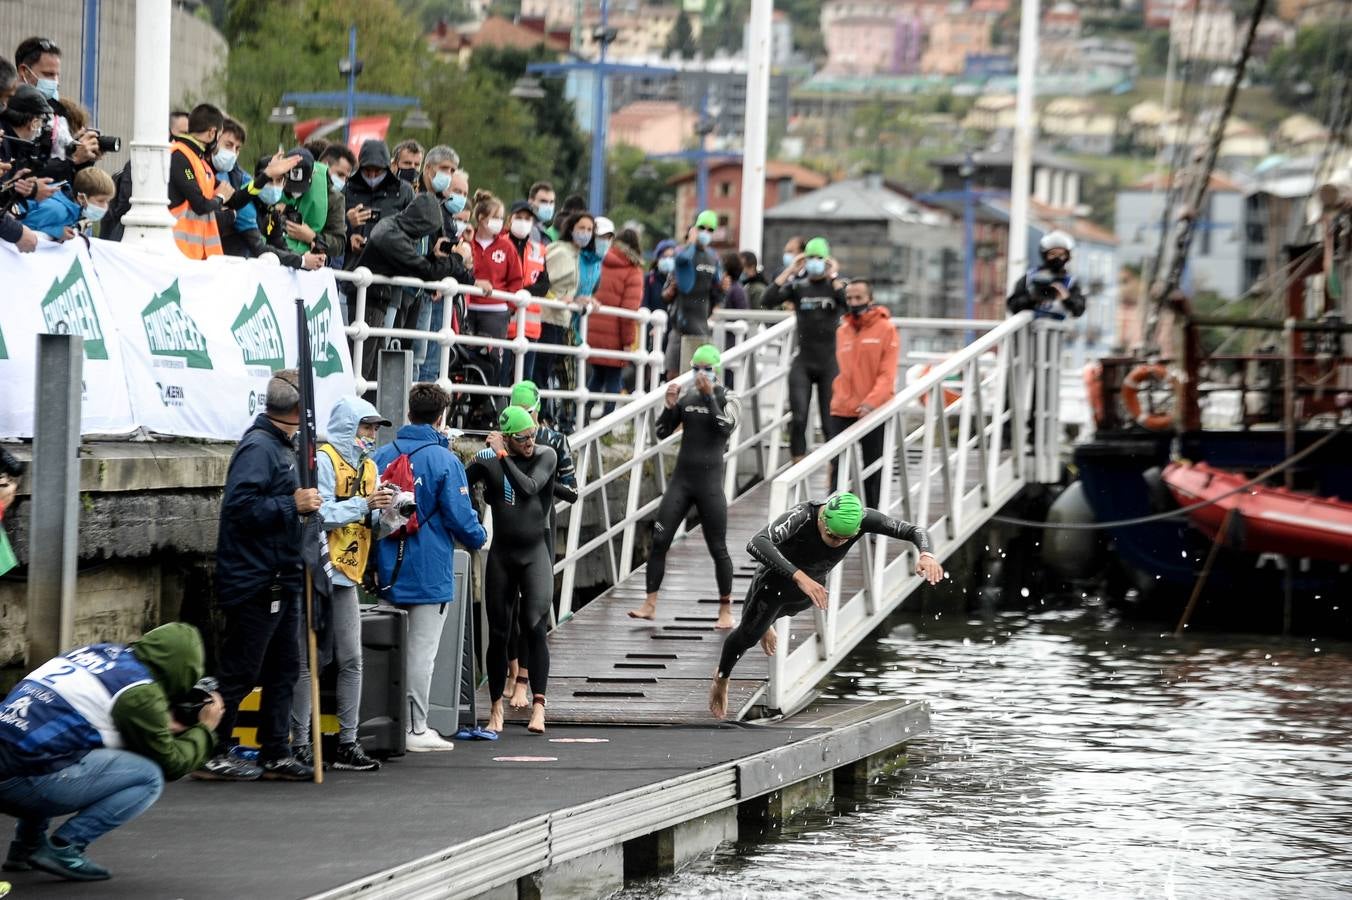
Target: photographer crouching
point(97, 732)
point(1050, 290)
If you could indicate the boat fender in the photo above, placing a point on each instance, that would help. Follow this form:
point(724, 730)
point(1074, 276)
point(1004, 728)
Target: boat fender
point(1073, 554)
point(1136, 379)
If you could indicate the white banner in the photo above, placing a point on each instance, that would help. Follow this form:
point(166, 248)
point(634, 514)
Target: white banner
point(54, 291)
point(195, 342)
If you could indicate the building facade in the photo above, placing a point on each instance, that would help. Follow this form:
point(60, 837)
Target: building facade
point(783, 183)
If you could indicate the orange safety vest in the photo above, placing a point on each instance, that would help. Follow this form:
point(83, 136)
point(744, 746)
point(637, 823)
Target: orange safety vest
point(532, 264)
point(197, 236)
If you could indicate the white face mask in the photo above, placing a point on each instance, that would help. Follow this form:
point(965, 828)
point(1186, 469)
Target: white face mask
point(493, 226)
point(521, 228)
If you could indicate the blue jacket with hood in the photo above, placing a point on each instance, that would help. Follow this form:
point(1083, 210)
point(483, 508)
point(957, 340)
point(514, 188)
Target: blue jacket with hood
point(445, 511)
point(342, 434)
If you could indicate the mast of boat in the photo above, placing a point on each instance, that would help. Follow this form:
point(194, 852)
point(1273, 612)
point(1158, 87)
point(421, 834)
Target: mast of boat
point(1021, 174)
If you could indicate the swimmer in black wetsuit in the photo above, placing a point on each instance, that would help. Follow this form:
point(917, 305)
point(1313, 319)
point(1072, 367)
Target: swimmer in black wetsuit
point(796, 552)
point(706, 413)
point(517, 478)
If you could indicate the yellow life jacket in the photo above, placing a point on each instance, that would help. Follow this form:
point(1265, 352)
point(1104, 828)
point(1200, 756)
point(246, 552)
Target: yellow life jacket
point(350, 544)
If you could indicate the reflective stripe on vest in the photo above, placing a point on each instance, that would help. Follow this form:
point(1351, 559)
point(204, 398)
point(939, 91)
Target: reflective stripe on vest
point(66, 705)
point(532, 264)
point(197, 235)
point(350, 544)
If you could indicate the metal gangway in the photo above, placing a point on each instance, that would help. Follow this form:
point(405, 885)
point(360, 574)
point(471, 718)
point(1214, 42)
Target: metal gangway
point(959, 443)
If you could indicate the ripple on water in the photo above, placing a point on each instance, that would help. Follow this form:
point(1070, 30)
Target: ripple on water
point(1073, 759)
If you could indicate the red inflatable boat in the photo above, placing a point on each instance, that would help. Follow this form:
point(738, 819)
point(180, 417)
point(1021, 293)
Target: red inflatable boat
point(1266, 520)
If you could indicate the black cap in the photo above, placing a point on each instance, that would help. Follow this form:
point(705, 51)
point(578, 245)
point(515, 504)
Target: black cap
point(298, 179)
point(28, 102)
point(521, 206)
point(376, 420)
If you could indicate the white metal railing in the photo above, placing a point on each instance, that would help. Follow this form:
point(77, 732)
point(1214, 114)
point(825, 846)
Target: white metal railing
point(647, 359)
point(945, 467)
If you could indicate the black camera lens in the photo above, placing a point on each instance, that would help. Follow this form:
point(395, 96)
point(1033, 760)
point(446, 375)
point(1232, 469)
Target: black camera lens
point(109, 144)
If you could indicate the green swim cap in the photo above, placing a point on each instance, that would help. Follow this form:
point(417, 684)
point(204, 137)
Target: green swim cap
point(515, 420)
point(843, 513)
point(707, 219)
point(526, 395)
point(706, 355)
point(817, 247)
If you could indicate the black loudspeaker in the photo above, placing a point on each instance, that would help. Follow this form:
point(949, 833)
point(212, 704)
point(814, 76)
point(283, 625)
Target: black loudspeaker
point(384, 699)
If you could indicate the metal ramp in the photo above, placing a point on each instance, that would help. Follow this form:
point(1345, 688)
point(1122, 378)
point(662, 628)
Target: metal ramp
point(948, 467)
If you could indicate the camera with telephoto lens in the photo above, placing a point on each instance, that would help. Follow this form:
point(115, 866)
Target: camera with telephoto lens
point(403, 503)
point(109, 144)
point(188, 708)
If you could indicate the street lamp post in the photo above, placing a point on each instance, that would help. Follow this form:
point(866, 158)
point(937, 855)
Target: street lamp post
point(596, 187)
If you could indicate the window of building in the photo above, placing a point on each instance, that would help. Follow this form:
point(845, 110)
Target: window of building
point(725, 189)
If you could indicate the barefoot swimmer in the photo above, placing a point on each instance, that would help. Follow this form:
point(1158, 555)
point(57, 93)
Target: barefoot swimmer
point(706, 413)
point(796, 552)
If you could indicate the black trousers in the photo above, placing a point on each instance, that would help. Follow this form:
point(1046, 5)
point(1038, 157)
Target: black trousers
point(704, 492)
point(518, 589)
point(261, 648)
point(768, 598)
point(803, 374)
point(872, 446)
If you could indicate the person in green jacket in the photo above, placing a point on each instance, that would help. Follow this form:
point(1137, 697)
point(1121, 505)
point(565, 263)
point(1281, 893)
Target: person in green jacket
point(97, 732)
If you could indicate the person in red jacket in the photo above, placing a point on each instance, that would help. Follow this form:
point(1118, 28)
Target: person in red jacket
point(866, 354)
point(621, 286)
point(497, 267)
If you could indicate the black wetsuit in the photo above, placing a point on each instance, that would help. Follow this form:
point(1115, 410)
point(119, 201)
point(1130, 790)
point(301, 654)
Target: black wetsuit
point(519, 490)
point(705, 423)
point(565, 489)
point(785, 546)
point(818, 304)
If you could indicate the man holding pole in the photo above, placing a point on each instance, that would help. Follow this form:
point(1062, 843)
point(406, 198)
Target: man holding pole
point(258, 586)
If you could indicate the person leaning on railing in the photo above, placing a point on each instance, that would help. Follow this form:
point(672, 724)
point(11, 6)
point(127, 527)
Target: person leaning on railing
point(573, 276)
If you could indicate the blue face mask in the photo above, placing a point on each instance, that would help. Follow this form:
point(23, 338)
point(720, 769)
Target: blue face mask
point(816, 266)
point(582, 238)
point(788, 259)
point(366, 445)
point(338, 183)
point(224, 160)
point(545, 212)
point(94, 213)
point(602, 246)
point(704, 238)
point(454, 203)
point(440, 182)
point(270, 194)
point(49, 88)
point(666, 264)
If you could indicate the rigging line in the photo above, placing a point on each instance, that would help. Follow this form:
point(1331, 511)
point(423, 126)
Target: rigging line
point(1181, 511)
point(1295, 266)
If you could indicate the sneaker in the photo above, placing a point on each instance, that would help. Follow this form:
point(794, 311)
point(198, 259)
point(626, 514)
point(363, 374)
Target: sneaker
point(426, 742)
point(228, 768)
point(354, 759)
point(67, 862)
point(17, 859)
point(304, 754)
point(287, 768)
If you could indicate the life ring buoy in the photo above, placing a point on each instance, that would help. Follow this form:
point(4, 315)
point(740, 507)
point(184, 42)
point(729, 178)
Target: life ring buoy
point(1093, 389)
point(1131, 399)
point(919, 371)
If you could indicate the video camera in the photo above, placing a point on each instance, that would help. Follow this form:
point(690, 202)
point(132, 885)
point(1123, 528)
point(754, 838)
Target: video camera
point(1042, 286)
point(31, 155)
point(188, 708)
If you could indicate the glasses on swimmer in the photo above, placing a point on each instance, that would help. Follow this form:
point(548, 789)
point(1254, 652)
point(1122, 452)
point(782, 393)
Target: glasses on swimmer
point(522, 437)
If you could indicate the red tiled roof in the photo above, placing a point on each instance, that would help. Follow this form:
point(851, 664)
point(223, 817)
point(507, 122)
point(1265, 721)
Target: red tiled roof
point(802, 176)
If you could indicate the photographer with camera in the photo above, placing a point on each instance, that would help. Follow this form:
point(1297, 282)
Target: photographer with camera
point(97, 732)
point(396, 248)
point(1050, 290)
point(23, 155)
point(350, 513)
point(258, 583)
point(67, 150)
point(268, 234)
point(373, 194)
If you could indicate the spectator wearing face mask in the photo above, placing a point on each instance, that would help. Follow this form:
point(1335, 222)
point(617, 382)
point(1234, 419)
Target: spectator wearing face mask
point(195, 196)
point(542, 204)
point(341, 163)
point(564, 266)
point(497, 267)
point(225, 162)
point(621, 287)
point(265, 206)
point(38, 61)
point(374, 193)
point(754, 281)
point(523, 225)
point(663, 264)
point(443, 178)
point(62, 215)
point(20, 124)
point(408, 161)
point(692, 292)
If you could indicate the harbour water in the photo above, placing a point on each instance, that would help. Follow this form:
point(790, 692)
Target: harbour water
point(1074, 755)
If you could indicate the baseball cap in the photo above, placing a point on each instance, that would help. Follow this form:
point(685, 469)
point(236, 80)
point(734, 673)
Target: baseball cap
point(521, 206)
point(298, 179)
point(604, 226)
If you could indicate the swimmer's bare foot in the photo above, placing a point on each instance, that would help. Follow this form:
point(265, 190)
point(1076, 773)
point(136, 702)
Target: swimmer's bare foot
point(718, 698)
point(770, 641)
point(495, 716)
point(724, 614)
point(647, 611)
point(513, 670)
point(537, 716)
point(521, 696)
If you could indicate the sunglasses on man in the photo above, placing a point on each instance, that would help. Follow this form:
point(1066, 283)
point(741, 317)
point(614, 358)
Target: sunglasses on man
point(522, 437)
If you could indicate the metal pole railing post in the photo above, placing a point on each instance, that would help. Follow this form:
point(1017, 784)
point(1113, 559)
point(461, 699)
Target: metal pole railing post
point(394, 377)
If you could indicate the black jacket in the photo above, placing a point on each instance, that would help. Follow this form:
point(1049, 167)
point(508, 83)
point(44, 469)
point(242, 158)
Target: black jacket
point(1035, 292)
point(403, 246)
point(389, 197)
point(259, 539)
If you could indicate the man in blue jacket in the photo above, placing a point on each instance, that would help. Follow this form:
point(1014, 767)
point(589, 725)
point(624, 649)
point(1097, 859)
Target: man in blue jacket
point(692, 291)
point(424, 585)
point(258, 582)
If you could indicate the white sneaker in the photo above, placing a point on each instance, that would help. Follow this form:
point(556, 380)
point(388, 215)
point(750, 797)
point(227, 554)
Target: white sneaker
point(426, 742)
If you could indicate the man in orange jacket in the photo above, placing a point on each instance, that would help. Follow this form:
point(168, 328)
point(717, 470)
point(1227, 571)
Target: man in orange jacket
point(866, 354)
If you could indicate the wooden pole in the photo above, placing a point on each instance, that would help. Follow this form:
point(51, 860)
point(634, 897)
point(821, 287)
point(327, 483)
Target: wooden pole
point(1206, 571)
point(316, 733)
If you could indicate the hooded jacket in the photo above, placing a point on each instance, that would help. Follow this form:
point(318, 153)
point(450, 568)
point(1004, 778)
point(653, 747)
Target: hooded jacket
point(259, 540)
point(621, 286)
point(866, 353)
point(397, 247)
point(441, 491)
point(167, 662)
point(498, 263)
point(342, 434)
point(54, 215)
point(389, 197)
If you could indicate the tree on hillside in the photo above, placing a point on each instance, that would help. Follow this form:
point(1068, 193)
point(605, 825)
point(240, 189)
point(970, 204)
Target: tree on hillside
point(681, 40)
point(1311, 72)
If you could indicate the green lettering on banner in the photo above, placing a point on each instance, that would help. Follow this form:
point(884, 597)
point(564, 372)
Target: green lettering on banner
point(172, 332)
point(68, 308)
point(319, 320)
point(4, 352)
point(258, 334)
